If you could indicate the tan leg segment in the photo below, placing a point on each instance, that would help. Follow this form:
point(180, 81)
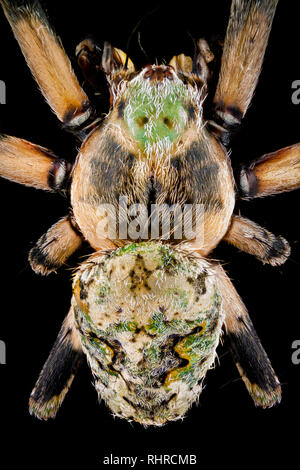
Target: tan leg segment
point(245, 43)
point(255, 240)
point(31, 165)
point(58, 372)
point(48, 61)
point(248, 353)
point(273, 173)
point(55, 247)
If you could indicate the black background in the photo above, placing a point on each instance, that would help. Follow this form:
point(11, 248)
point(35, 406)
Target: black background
point(32, 308)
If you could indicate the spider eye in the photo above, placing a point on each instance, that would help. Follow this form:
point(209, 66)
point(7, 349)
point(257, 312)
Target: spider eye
point(167, 122)
point(142, 120)
point(148, 73)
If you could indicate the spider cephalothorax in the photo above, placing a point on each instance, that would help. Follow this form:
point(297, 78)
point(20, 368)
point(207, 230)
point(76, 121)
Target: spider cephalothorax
point(152, 191)
point(163, 155)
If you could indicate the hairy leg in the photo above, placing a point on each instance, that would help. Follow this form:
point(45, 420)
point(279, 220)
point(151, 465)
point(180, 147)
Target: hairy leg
point(273, 173)
point(244, 48)
point(54, 248)
point(248, 353)
point(58, 372)
point(47, 61)
point(32, 165)
point(256, 240)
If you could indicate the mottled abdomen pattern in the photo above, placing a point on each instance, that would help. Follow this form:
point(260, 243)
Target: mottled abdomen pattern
point(149, 319)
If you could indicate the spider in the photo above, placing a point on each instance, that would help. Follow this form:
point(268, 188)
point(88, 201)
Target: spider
point(148, 311)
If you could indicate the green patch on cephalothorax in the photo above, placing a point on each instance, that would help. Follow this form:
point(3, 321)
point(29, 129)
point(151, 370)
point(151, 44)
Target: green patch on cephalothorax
point(156, 112)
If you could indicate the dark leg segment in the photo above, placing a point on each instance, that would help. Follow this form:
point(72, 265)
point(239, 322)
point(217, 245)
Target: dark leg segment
point(249, 355)
point(58, 372)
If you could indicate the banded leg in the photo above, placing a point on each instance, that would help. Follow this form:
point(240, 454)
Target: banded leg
point(255, 240)
point(32, 165)
point(250, 357)
point(58, 372)
point(273, 173)
point(244, 48)
point(55, 246)
point(48, 61)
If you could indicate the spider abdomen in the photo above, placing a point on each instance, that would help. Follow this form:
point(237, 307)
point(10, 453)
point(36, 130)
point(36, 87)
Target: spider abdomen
point(149, 319)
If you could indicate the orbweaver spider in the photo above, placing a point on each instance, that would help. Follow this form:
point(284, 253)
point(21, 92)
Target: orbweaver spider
point(148, 308)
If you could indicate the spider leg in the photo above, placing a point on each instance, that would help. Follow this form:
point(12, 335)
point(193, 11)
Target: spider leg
point(255, 240)
point(47, 61)
point(55, 246)
point(58, 372)
point(89, 57)
point(245, 43)
point(250, 357)
point(273, 173)
point(199, 65)
point(32, 165)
